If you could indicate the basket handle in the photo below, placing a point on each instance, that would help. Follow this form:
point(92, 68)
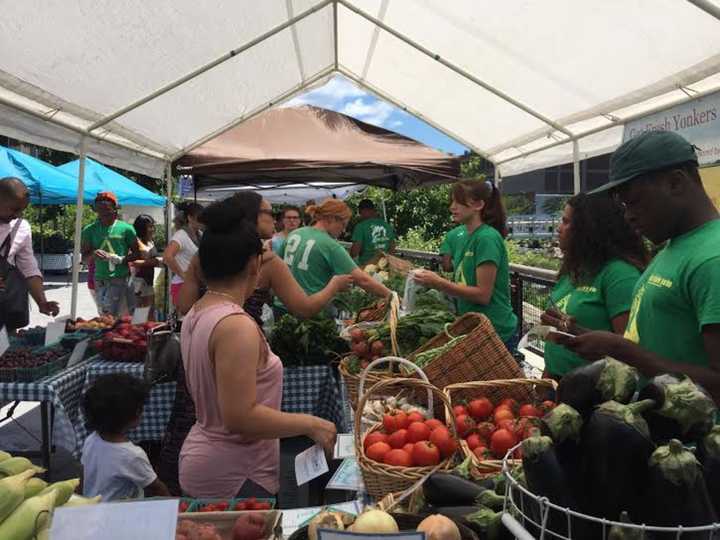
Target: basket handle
point(393, 315)
point(390, 360)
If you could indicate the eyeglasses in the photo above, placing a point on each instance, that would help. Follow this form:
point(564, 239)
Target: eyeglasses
point(292, 217)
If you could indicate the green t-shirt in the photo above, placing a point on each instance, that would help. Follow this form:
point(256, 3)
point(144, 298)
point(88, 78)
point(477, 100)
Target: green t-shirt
point(486, 245)
point(593, 306)
point(453, 243)
point(678, 294)
point(374, 235)
point(314, 258)
point(117, 239)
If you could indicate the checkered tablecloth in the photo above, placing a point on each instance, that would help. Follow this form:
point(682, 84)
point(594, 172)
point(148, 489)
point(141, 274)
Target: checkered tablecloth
point(63, 390)
point(314, 390)
point(157, 407)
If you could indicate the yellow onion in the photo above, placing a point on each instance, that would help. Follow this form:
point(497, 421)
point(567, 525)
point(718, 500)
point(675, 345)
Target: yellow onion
point(325, 520)
point(375, 522)
point(437, 527)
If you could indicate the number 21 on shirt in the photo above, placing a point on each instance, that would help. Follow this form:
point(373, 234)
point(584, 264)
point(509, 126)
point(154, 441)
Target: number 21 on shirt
point(292, 245)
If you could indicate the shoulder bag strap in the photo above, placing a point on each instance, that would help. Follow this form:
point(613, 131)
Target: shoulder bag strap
point(7, 243)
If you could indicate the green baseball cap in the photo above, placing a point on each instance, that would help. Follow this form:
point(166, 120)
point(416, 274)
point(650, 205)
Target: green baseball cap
point(651, 151)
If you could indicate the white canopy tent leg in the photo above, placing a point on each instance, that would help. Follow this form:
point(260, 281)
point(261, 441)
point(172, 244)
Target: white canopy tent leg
point(78, 229)
point(169, 211)
point(384, 209)
point(577, 187)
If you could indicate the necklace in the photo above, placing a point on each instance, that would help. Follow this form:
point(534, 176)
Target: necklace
point(226, 295)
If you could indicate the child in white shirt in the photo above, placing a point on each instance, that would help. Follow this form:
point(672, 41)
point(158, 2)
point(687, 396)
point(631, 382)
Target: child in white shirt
point(113, 466)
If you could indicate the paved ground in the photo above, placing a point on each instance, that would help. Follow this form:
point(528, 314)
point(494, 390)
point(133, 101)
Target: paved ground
point(58, 287)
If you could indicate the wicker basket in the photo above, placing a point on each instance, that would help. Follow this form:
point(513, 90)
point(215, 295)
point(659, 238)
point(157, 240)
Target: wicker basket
point(374, 312)
point(518, 389)
point(381, 479)
point(480, 356)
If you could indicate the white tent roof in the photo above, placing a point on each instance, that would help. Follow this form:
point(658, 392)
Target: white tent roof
point(295, 194)
point(147, 81)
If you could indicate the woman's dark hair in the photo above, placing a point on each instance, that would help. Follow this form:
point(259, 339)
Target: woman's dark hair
point(230, 239)
point(142, 223)
point(293, 209)
point(189, 208)
point(113, 402)
point(599, 234)
point(493, 213)
point(247, 203)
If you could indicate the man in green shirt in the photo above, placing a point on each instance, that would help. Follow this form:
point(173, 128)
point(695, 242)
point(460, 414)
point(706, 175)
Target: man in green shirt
point(112, 243)
point(674, 323)
point(372, 235)
point(451, 248)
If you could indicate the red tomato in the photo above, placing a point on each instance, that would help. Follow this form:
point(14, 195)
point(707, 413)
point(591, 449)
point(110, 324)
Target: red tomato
point(485, 430)
point(398, 458)
point(425, 454)
point(263, 506)
point(506, 424)
point(375, 436)
point(222, 506)
point(415, 417)
point(398, 439)
point(529, 410)
point(241, 506)
point(377, 451)
point(418, 431)
point(482, 453)
point(409, 447)
point(183, 506)
point(510, 403)
point(548, 405)
point(474, 440)
point(464, 425)
point(480, 409)
point(434, 423)
point(459, 409)
point(394, 421)
point(503, 413)
point(502, 441)
point(208, 508)
point(442, 438)
point(525, 425)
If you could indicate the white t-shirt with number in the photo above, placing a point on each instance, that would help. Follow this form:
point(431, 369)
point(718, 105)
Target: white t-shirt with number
point(185, 253)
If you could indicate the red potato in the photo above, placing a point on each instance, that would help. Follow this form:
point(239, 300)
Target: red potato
point(377, 348)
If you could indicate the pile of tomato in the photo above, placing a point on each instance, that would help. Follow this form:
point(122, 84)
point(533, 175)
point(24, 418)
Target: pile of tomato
point(410, 440)
point(491, 430)
point(221, 505)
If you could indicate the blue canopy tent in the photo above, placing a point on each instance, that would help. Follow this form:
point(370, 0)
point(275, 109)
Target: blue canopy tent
point(47, 184)
point(98, 178)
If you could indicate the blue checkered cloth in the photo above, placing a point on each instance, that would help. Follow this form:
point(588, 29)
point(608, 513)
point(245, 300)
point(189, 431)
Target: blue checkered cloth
point(314, 390)
point(63, 390)
point(157, 407)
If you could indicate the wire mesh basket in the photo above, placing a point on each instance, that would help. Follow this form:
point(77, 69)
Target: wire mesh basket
point(528, 517)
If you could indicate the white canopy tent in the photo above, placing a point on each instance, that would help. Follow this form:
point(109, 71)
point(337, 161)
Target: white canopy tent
point(527, 83)
point(289, 194)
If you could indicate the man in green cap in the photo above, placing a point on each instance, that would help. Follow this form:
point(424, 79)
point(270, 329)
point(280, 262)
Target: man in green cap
point(674, 323)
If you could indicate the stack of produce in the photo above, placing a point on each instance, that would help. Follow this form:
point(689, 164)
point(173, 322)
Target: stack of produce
point(490, 430)
point(32, 337)
point(27, 503)
point(302, 342)
point(127, 342)
point(375, 410)
point(602, 455)
point(104, 322)
point(409, 440)
point(257, 525)
point(23, 364)
point(225, 505)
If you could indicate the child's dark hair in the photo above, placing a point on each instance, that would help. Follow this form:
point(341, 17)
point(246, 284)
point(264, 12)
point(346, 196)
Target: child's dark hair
point(493, 213)
point(142, 224)
point(113, 402)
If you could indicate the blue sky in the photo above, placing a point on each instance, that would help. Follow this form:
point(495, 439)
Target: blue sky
point(341, 95)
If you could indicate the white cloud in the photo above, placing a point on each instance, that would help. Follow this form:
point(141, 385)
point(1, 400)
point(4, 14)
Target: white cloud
point(373, 112)
point(396, 123)
point(330, 95)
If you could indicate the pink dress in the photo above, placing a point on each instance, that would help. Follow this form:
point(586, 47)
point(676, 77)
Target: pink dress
point(215, 463)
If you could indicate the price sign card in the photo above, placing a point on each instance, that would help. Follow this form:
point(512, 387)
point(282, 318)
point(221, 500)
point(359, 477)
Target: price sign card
point(54, 331)
point(144, 520)
point(310, 464)
point(78, 352)
point(4, 340)
point(344, 446)
point(347, 477)
point(140, 315)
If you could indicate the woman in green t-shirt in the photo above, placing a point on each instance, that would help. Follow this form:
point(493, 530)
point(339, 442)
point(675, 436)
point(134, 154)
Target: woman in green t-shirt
point(482, 277)
point(603, 258)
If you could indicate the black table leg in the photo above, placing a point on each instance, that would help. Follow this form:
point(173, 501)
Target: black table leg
point(45, 412)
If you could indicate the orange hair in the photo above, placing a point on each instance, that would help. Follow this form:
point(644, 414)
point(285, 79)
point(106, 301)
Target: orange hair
point(329, 208)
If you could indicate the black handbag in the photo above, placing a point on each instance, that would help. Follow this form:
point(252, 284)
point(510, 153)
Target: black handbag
point(163, 354)
point(14, 305)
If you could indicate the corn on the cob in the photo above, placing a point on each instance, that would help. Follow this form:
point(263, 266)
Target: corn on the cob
point(42, 534)
point(12, 492)
point(31, 516)
point(16, 465)
point(4, 455)
point(64, 489)
point(77, 500)
point(34, 486)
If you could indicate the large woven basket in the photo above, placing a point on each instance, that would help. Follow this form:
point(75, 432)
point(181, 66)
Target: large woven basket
point(381, 479)
point(522, 390)
point(480, 356)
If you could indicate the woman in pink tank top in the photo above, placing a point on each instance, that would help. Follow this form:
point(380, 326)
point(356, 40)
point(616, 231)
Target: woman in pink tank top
point(232, 375)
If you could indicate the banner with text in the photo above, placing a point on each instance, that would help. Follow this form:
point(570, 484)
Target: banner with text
point(697, 120)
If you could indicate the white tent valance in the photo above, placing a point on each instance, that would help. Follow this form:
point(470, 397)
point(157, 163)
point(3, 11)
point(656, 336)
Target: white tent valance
point(517, 81)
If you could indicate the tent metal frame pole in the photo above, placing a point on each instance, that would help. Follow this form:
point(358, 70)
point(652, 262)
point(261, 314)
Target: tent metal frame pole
point(707, 6)
point(275, 101)
point(335, 34)
point(382, 95)
point(620, 122)
point(577, 185)
point(78, 229)
point(210, 65)
point(463, 73)
point(168, 221)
